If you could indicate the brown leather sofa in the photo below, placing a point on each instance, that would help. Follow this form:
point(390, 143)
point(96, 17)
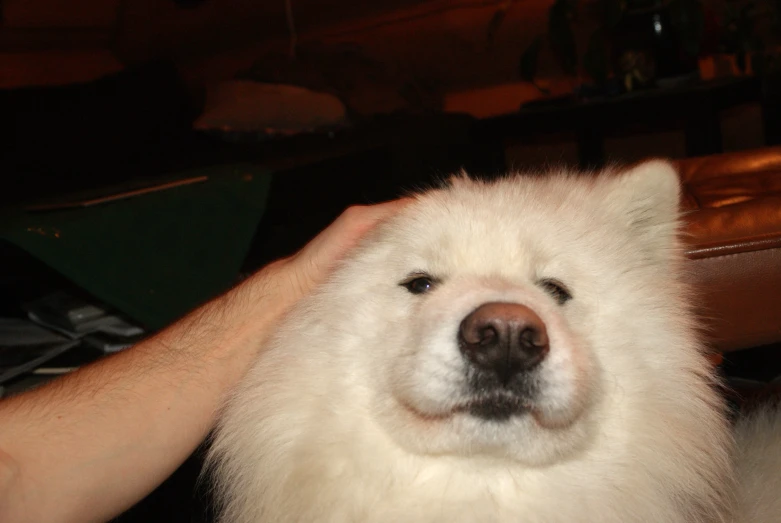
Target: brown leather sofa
point(734, 226)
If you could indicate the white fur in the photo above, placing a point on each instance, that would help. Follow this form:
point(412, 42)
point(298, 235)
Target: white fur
point(758, 435)
point(351, 414)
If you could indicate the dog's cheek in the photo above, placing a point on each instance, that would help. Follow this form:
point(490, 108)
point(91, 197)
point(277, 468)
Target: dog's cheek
point(566, 386)
point(423, 357)
point(389, 343)
point(403, 356)
point(570, 375)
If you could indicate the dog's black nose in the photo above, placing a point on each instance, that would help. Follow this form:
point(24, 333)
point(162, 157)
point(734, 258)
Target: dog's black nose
point(503, 338)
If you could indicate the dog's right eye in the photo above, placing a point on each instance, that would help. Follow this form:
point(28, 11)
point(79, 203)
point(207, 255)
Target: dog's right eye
point(419, 284)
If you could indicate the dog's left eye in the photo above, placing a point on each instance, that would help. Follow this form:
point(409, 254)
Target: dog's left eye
point(557, 290)
point(419, 284)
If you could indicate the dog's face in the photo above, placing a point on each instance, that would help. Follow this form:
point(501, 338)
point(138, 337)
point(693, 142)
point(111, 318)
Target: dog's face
point(497, 317)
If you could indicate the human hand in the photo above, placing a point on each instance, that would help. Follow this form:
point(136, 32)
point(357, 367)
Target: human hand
point(313, 263)
point(290, 279)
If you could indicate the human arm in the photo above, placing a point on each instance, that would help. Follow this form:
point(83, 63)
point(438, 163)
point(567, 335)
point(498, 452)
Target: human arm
point(89, 445)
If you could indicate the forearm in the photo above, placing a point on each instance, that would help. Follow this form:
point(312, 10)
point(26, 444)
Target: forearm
point(95, 442)
point(88, 446)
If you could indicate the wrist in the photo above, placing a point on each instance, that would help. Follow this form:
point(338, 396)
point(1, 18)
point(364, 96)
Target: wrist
point(236, 325)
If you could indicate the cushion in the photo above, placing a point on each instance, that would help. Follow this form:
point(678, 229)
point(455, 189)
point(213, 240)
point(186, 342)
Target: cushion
point(733, 202)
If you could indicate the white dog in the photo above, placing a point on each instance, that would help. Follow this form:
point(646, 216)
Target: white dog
point(519, 350)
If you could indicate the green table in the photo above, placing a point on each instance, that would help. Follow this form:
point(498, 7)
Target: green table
point(153, 256)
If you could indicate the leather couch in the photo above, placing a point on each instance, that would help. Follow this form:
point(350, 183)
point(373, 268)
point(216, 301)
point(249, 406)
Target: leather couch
point(733, 202)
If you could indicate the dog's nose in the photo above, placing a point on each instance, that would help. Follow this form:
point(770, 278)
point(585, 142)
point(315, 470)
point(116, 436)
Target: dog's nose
point(503, 338)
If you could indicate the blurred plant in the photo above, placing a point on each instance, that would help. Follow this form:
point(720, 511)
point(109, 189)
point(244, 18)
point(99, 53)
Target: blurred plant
point(563, 15)
point(752, 32)
point(737, 29)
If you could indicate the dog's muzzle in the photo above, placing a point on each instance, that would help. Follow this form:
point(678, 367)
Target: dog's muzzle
point(503, 343)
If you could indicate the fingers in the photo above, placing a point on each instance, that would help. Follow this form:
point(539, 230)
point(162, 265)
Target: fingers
point(359, 219)
point(290, 279)
point(318, 257)
point(350, 227)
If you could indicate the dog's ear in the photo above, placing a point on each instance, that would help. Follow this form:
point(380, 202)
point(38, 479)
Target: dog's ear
point(648, 197)
point(459, 179)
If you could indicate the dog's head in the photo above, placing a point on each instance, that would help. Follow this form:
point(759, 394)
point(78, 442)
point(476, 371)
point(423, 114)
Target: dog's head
point(494, 318)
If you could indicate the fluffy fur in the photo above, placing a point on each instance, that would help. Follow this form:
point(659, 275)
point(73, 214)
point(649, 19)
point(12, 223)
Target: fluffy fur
point(354, 412)
point(758, 437)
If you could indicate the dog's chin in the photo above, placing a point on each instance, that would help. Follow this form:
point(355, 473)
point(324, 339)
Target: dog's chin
point(496, 407)
point(497, 424)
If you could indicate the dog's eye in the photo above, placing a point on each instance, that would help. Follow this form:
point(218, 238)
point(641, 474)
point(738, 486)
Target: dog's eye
point(556, 289)
point(419, 284)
